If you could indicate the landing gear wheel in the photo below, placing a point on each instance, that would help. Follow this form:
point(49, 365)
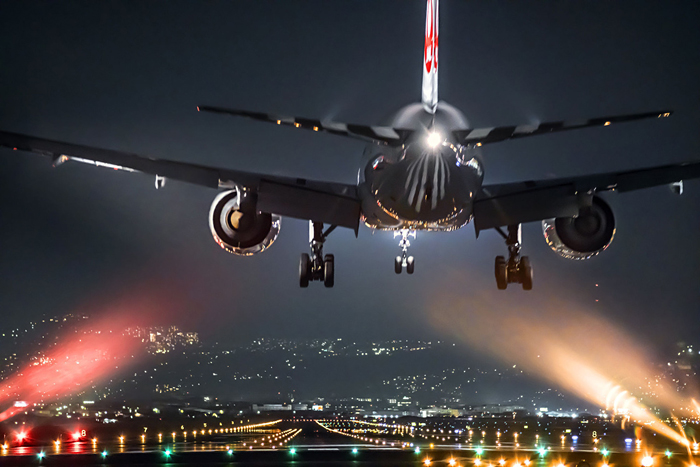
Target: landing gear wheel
point(410, 265)
point(526, 273)
point(304, 270)
point(501, 273)
point(397, 265)
point(328, 270)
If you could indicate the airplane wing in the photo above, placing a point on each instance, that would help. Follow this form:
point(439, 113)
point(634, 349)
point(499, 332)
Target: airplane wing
point(376, 134)
point(479, 136)
point(326, 202)
point(514, 203)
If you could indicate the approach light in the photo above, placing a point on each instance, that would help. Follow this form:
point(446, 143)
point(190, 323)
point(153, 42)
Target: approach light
point(452, 461)
point(604, 464)
point(647, 461)
point(527, 462)
point(477, 462)
point(21, 436)
point(426, 462)
point(502, 462)
point(76, 436)
point(434, 139)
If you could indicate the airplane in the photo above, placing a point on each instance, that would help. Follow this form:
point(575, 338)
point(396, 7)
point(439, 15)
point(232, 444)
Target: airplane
point(423, 173)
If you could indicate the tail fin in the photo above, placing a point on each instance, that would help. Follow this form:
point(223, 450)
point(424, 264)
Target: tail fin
point(430, 57)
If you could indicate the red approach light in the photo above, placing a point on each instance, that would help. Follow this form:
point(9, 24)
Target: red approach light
point(76, 435)
point(21, 436)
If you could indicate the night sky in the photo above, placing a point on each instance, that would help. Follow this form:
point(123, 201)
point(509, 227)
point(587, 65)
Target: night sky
point(129, 75)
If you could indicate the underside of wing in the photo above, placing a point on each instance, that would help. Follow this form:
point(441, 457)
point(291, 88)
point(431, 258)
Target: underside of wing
point(326, 202)
point(376, 134)
point(529, 201)
point(479, 136)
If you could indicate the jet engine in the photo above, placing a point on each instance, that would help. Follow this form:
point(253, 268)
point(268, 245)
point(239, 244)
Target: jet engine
point(238, 227)
point(583, 236)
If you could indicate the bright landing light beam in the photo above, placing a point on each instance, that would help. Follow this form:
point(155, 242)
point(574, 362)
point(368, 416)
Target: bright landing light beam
point(575, 348)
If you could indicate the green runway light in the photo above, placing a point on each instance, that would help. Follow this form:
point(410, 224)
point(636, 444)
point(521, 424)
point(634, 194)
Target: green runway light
point(104, 454)
point(41, 455)
point(292, 451)
point(354, 450)
point(668, 453)
point(417, 450)
point(230, 452)
point(479, 451)
point(605, 452)
point(542, 452)
point(167, 453)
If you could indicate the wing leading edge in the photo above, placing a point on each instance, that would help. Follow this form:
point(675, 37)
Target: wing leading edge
point(514, 203)
point(327, 202)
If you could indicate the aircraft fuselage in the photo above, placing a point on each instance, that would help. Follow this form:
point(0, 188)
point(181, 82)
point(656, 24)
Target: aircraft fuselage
point(427, 183)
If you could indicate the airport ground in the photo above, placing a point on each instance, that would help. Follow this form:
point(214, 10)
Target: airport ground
point(344, 442)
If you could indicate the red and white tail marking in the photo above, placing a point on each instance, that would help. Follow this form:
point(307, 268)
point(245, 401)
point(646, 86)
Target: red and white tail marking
point(430, 57)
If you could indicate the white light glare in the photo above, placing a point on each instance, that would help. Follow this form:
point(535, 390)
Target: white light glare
point(434, 139)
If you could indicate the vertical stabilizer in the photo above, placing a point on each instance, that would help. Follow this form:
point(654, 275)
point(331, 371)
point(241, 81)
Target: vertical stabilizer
point(430, 57)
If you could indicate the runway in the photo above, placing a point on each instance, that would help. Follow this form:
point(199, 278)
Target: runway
point(341, 442)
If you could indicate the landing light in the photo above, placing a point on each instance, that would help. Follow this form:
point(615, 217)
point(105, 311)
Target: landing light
point(434, 139)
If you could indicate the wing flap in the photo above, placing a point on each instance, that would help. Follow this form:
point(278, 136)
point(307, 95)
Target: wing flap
point(327, 202)
point(514, 203)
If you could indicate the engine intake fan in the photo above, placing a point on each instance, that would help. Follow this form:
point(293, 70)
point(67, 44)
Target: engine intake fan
point(238, 227)
point(583, 236)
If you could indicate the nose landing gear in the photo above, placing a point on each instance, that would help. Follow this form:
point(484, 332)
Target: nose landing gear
point(517, 269)
point(317, 267)
point(404, 261)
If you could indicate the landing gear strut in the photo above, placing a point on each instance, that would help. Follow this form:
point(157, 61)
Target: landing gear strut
point(404, 261)
point(517, 269)
point(317, 267)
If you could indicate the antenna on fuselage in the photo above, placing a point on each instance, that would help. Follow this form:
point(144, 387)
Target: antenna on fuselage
point(429, 95)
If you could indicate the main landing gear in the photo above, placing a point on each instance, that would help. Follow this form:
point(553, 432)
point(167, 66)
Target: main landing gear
point(317, 267)
point(404, 261)
point(517, 269)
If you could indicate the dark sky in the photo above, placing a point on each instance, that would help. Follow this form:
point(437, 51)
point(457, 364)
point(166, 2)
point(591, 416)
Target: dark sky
point(129, 75)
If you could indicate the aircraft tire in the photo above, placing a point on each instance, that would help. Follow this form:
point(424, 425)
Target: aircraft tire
point(328, 270)
point(410, 265)
point(397, 265)
point(304, 270)
point(526, 273)
point(501, 273)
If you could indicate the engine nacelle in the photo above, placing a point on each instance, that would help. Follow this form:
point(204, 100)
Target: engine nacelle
point(238, 227)
point(583, 236)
